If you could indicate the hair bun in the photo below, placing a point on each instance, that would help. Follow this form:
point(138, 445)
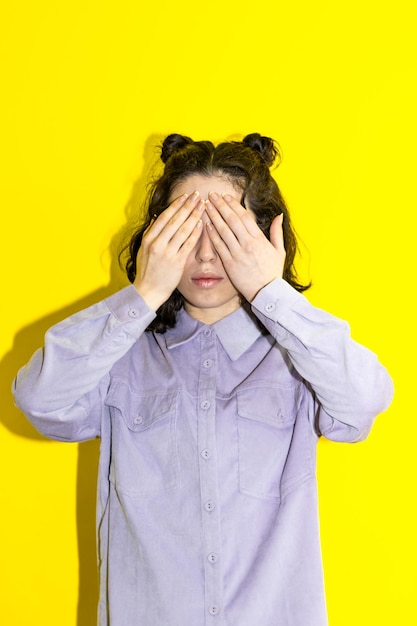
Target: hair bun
point(172, 144)
point(265, 146)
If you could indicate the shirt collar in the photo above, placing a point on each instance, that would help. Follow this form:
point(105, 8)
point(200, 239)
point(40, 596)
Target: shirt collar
point(236, 332)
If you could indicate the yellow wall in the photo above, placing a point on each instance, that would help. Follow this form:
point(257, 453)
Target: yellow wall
point(89, 87)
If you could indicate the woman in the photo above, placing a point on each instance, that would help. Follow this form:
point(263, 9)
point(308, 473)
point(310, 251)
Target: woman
point(209, 381)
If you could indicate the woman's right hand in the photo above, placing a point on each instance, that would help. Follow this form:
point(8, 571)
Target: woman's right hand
point(166, 245)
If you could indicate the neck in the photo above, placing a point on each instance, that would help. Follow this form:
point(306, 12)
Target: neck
point(210, 316)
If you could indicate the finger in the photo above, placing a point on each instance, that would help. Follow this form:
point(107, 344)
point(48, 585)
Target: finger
point(247, 217)
point(235, 204)
point(228, 215)
point(222, 249)
point(276, 233)
point(169, 220)
point(238, 219)
point(182, 202)
point(158, 222)
point(186, 229)
point(149, 226)
point(221, 228)
point(226, 222)
point(191, 241)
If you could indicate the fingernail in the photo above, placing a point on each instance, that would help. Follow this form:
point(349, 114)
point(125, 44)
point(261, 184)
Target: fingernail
point(209, 206)
point(213, 195)
point(201, 205)
point(227, 197)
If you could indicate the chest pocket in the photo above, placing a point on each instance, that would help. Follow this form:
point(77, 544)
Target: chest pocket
point(273, 449)
point(143, 457)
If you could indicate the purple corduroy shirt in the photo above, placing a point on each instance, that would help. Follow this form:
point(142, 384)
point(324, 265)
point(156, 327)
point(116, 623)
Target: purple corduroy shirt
point(207, 501)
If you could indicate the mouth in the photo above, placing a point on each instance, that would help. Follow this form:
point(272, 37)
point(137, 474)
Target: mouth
point(206, 281)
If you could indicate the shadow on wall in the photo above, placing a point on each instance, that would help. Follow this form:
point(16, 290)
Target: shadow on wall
point(26, 342)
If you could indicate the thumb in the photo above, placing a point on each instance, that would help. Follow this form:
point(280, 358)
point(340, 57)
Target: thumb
point(276, 233)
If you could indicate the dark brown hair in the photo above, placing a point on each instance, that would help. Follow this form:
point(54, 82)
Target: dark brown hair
point(246, 165)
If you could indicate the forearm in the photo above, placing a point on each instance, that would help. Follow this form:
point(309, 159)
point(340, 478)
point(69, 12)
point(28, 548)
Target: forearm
point(351, 386)
point(78, 353)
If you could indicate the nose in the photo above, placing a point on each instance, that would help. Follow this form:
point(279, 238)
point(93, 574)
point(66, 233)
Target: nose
point(205, 251)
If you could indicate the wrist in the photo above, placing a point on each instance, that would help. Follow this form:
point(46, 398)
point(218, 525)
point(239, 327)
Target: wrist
point(150, 296)
point(251, 294)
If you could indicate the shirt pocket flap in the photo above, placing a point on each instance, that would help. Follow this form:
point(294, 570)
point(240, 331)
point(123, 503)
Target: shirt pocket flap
point(274, 406)
point(140, 411)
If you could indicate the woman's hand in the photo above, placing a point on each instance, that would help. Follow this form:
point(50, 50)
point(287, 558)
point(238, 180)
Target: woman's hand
point(165, 247)
point(250, 260)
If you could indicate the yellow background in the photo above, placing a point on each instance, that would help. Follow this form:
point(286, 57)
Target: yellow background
point(89, 88)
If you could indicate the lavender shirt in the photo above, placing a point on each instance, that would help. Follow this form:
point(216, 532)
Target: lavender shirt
point(207, 500)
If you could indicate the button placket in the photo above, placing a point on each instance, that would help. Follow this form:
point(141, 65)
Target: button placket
point(208, 469)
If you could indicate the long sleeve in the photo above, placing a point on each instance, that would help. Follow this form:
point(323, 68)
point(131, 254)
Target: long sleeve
point(61, 387)
point(350, 385)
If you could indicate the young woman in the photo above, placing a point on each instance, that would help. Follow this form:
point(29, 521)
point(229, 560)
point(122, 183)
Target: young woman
point(209, 381)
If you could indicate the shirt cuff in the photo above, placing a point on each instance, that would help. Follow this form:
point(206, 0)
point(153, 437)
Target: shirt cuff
point(276, 298)
point(128, 306)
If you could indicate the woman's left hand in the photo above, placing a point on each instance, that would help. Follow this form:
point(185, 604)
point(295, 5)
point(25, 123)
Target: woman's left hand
point(250, 260)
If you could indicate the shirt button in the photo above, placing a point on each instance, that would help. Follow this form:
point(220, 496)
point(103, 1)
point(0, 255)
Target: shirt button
point(207, 332)
point(205, 405)
point(206, 454)
point(207, 363)
point(138, 420)
point(214, 609)
point(270, 307)
point(212, 557)
point(133, 313)
point(209, 506)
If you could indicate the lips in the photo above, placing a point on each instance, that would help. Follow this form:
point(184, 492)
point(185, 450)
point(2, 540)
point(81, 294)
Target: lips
point(205, 281)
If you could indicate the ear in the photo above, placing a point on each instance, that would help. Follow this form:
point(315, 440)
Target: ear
point(276, 233)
